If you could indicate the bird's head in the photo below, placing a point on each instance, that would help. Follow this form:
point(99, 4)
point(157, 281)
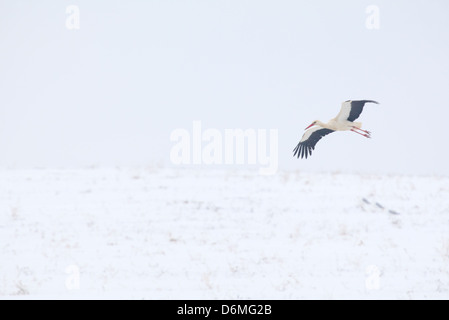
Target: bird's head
point(312, 124)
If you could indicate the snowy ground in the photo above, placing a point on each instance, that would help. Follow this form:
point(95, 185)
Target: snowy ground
point(160, 233)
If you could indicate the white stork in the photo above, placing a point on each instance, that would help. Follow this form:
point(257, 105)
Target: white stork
point(350, 111)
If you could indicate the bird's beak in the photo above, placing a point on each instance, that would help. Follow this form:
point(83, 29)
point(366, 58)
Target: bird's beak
point(310, 126)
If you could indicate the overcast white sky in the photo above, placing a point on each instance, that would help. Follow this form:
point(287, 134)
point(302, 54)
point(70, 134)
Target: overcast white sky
point(112, 92)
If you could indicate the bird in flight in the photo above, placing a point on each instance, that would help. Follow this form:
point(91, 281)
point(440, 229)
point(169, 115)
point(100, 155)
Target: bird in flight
point(344, 121)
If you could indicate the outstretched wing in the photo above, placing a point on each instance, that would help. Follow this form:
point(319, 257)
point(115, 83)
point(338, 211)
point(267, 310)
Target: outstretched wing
point(351, 109)
point(309, 140)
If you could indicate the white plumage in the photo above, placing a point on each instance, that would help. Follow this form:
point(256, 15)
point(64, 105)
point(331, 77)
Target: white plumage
point(350, 111)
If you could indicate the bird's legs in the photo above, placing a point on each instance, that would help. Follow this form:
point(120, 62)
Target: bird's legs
point(363, 134)
point(367, 132)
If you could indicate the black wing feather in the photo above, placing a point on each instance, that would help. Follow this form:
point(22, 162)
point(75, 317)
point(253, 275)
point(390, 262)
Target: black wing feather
point(357, 108)
point(304, 148)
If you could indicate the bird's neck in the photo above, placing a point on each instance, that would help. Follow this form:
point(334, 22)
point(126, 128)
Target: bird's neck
point(330, 125)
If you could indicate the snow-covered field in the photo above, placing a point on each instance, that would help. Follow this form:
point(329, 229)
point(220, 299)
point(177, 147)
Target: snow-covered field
point(159, 233)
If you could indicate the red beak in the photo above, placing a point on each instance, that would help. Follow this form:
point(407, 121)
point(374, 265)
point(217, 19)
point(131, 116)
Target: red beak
point(310, 126)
